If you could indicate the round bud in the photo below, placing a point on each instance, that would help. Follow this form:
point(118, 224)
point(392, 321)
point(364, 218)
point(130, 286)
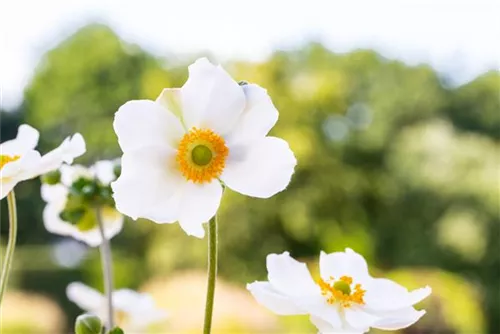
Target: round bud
point(88, 324)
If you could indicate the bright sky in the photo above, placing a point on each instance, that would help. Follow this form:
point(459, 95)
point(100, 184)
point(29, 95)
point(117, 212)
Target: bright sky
point(459, 38)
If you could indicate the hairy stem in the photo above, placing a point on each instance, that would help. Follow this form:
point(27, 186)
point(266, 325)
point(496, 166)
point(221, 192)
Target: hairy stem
point(212, 274)
point(107, 269)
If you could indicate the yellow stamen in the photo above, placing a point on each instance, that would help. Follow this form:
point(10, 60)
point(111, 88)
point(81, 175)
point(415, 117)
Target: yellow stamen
point(340, 291)
point(202, 155)
point(5, 159)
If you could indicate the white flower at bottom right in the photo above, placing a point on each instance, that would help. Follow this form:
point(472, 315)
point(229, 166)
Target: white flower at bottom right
point(345, 299)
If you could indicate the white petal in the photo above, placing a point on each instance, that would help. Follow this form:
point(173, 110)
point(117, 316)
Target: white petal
point(21, 168)
point(358, 318)
point(54, 193)
point(70, 174)
point(53, 223)
point(289, 276)
point(104, 171)
point(6, 186)
point(399, 319)
point(258, 117)
point(325, 327)
point(71, 148)
point(147, 183)
point(261, 169)
point(144, 123)
point(139, 306)
point(386, 295)
point(171, 99)
point(348, 263)
point(85, 297)
point(268, 296)
point(199, 204)
point(211, 98)
point(318, 307)
point(26, 140)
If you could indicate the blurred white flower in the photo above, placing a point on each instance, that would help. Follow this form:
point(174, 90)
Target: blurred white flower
point(346, 299)
point(20, 161)
point(134, 311)
point(179, 148)
point(84, 227)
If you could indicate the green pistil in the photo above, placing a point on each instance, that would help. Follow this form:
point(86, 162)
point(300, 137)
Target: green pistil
point(201, 155)
point(343, 287)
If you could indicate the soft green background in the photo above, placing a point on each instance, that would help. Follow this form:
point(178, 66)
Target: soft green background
point(392, 162)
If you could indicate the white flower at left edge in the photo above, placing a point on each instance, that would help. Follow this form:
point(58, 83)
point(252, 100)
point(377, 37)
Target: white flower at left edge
point(134, 311)
point(346, 299)
point(181, 148)
point(19, 161)
point(86, 228)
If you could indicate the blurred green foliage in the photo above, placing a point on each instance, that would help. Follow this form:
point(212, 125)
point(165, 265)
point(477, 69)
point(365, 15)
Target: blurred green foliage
point(391, 163)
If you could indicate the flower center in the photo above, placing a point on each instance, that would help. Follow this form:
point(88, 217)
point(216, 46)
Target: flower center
point(201, 155)
point(5, 159)
point(341, 291)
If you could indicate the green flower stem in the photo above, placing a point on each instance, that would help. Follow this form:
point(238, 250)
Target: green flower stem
point(107, 269)
point(11, 245)
point(212, 273)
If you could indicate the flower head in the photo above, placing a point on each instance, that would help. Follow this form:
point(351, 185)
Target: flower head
point(134, 311)
point(71, 204)
point(345, 299)
point(179, 149)
point(20, 161)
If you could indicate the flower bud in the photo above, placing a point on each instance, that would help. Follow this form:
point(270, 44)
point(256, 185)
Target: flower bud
point(52, 178)
point(117, 170)
point(88, 324)
point(116, 330)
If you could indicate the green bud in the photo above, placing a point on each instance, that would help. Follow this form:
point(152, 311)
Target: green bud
point(52, 178)
point(72, 216)
point(116, 330)
point(88, 324)
point(117, 170)
point(243, 83)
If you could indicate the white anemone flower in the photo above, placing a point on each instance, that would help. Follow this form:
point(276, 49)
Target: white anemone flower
point(19, 161)
point(87, 229)
point(181, 148)
point(346, 299)
point(134, 311)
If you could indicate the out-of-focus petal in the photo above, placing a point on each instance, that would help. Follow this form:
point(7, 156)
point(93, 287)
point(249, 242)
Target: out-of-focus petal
point(84, 296)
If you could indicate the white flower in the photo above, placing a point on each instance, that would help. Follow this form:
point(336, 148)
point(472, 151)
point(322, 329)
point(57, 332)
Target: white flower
point(134, 311)
point(178, 149)
point(346, 299)
point(20, 161)
point(86, 229)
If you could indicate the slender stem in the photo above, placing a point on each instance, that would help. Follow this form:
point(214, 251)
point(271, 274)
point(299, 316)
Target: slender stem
point(107, 268)
point(11, 245)
point(212, 273)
